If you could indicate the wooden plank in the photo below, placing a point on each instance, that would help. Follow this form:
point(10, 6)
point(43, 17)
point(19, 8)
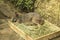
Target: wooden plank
point(27, 37)
point(19, 31)
point(50, 36)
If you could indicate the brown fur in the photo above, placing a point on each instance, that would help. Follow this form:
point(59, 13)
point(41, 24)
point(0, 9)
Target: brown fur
point(34, 18)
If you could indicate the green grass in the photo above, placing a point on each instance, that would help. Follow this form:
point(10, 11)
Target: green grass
point(35, 31)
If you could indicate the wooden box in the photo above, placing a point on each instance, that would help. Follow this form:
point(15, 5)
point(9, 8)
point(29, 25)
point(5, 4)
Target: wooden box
point(23, 30)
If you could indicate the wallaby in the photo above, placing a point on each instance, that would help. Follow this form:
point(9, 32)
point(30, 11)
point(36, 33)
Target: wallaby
point(32, 17)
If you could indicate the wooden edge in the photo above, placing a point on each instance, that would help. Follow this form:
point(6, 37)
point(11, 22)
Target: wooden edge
point(47, 35)
point(19, 31)
point(24, 35)
point(58, 30)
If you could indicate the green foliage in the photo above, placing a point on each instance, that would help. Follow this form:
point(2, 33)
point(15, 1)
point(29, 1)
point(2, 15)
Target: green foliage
point(24, 5)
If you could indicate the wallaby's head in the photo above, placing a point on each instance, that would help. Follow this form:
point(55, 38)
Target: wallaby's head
point(32, 17)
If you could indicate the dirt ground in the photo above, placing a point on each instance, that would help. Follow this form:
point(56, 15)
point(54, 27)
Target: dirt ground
point(6, 33)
